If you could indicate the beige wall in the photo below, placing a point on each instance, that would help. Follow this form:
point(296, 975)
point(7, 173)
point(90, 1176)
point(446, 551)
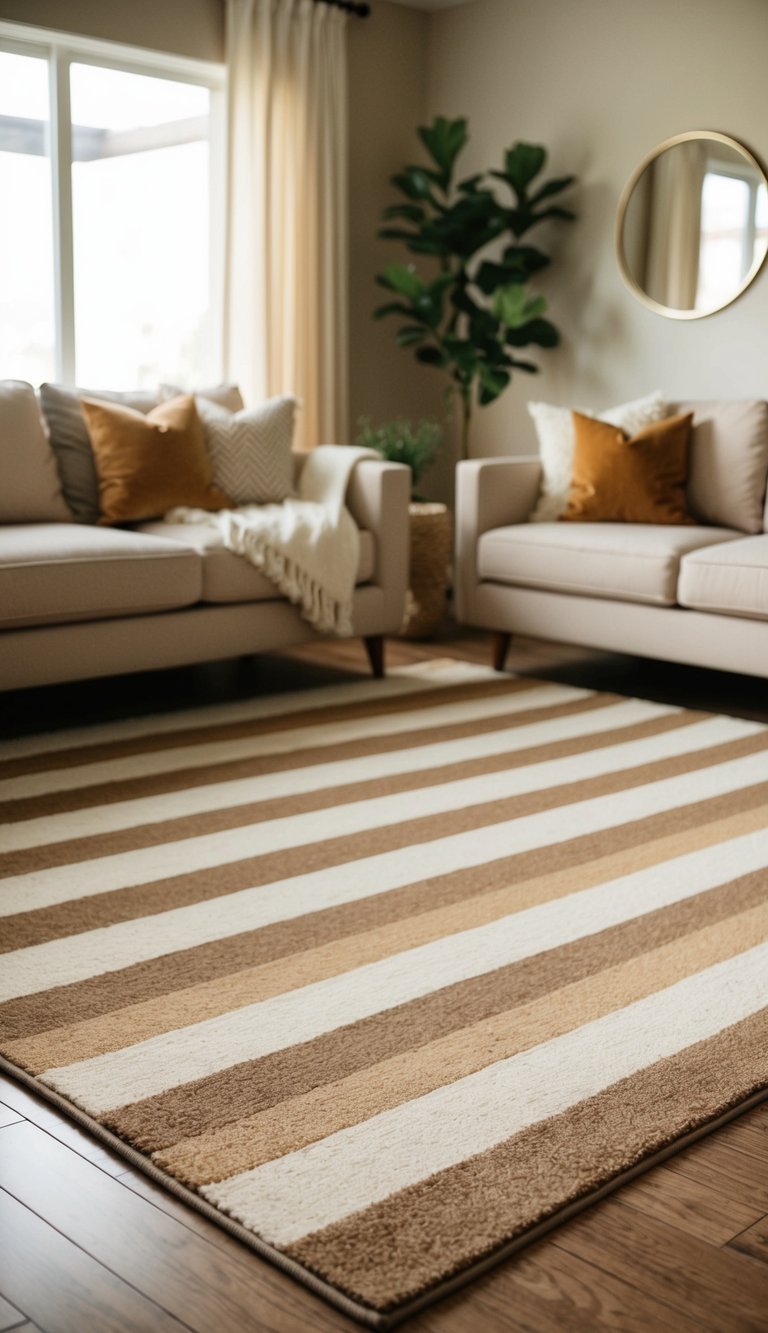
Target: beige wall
point(186, 27)
point(387, 97)
point(600, 82)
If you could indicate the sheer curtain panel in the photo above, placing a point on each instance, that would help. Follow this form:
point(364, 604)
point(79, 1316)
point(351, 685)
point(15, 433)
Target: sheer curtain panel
point(285, 306)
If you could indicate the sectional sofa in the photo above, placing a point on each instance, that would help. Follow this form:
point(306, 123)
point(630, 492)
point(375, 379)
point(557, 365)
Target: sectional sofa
point(694, 594)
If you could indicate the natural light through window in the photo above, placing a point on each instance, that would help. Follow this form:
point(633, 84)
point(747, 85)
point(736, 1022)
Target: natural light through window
point(27, 321)
point(106, 249)
point(734, 228)
point(140, 228)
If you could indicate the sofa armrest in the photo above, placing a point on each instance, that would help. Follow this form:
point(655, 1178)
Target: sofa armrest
point(378, 498)
point(490, 493)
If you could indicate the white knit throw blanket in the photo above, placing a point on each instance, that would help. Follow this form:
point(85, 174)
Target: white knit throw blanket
point(308, 547)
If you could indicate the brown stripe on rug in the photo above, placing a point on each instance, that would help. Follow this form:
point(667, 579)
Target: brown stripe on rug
point(142, 982)
point(326, 714)
point(389, 1070)
point(384, 1257)
point(171, 830)
point(190, 1109)
point(155, 784)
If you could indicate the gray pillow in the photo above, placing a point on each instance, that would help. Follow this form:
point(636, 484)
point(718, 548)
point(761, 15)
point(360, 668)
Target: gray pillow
point(30, 490)
point(72, 447)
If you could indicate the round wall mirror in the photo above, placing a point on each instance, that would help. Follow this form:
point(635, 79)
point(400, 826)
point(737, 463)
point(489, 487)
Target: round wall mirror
point(692, 225)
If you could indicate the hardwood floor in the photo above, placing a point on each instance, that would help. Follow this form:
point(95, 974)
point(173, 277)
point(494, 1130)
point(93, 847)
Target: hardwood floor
point(88, 1245)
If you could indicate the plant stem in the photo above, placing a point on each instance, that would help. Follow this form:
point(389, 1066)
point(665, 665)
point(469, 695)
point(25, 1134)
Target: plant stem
point(466, 420)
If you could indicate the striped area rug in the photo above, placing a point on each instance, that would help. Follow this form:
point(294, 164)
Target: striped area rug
point(387, 975)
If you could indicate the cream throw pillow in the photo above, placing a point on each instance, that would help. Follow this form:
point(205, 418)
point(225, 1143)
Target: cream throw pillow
point(30, 490)
point(554, 428)
point(251, 450)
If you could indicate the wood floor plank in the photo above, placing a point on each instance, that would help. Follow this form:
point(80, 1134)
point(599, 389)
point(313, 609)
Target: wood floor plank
point(747, 1135)
point(691, 1206)
point(729, 1171)
point(754, 1242)
point(546, 1290)
point(10, 1317)
point(46, 1117)
point(62, 1288)
point(201, 1286)
point(723, 1290)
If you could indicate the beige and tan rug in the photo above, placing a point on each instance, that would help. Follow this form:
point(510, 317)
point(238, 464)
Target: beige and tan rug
point(386, 976)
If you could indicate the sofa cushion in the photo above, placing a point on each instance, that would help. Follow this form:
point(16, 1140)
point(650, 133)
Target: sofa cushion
point(55, 572)
point(149, 462)
point(730, 580)
point(231, 578)
point(251, 449)
point(728, 466)
point(71, 445)
point(30, 490)
point(634, 562)
point(629, 479)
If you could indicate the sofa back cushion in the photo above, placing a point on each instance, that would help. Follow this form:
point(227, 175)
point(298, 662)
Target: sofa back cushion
point(728, 462)
point(30, 490)
point(71, 445)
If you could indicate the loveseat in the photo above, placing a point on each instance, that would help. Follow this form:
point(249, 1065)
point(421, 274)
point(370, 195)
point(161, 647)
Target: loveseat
point(690, 593)
point(79, 600)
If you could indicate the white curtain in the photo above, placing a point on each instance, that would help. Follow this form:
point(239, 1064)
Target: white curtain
point(285, 301)
point(672, 273)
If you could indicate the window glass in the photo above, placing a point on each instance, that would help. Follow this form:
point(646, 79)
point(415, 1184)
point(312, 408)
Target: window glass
point(140, 208)
point(27, 319)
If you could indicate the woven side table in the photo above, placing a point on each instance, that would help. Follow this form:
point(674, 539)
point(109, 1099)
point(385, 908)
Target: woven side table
point(431, 541)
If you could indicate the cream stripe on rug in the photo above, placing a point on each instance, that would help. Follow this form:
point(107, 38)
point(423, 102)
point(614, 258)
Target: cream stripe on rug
point(437, 956)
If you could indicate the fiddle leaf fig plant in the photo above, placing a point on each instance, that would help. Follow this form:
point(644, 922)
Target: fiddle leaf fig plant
point(472, 312)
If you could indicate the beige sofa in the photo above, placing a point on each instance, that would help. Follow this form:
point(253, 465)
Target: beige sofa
point(693, 594)
point(81, 601)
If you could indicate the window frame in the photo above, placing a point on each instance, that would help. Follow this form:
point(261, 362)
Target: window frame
point(61, 50)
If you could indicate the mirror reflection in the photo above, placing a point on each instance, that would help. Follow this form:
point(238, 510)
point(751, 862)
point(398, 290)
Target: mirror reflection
point(693, 225)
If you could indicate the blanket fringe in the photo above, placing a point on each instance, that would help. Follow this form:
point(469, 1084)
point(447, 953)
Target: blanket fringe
point(323, 612)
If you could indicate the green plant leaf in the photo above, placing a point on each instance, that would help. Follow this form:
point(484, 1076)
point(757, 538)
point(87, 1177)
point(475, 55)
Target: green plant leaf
point(396, 234)
point(430, 356)
point(409, 335)
point(527, 366)
point(393, 308)
point(522, 163)
point(470, 184)
point(538, 331)
point(444, 140)
point(514, 307)
point(493, 381)
point(414, 182)
point(404, 279)
point(555, 211)
point(551, 187)
point(522, 263)
point(409, 212)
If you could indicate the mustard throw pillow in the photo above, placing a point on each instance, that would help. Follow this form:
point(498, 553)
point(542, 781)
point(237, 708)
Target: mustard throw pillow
point(149, 463)
point(619, 478)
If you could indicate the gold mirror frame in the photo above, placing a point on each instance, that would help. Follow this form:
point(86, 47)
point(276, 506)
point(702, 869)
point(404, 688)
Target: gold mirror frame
point(670, 311)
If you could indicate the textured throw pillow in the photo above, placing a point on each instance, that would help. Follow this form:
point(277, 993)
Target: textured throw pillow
point(729, 462)
point(618, 478)
point(251, 450)
point(226, 395)
point(30, 490)
point(554, 428)
point(149, 463)
point(71, 445)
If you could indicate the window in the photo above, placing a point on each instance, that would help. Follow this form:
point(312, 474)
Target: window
point(109, 225)
point(734, 231)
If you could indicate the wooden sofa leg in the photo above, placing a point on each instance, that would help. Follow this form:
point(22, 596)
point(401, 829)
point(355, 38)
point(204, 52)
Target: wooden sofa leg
point(374, 646)
point(499, 648)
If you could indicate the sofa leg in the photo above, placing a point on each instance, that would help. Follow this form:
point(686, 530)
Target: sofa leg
point(374, 646)
point(499, 648)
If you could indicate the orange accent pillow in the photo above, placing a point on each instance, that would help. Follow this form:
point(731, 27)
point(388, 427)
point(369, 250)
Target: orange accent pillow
point(148, 463)
point(621, 479)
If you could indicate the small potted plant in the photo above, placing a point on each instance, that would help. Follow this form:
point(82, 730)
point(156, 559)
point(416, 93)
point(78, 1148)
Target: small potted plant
point(417, 443)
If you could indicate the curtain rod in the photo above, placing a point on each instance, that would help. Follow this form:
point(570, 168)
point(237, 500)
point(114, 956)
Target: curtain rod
point(360, 10)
